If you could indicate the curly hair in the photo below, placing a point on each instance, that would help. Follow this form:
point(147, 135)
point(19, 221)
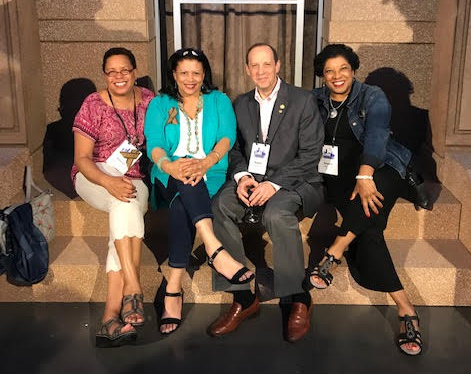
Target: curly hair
point(171, 88)
point(335, 50)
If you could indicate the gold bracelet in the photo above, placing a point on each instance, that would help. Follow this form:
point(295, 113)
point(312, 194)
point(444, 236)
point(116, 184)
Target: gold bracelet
point(217, 155)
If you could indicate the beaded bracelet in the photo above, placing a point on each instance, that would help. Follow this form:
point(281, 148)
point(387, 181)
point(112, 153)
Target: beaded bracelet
point(159, 163)
point(370, 177)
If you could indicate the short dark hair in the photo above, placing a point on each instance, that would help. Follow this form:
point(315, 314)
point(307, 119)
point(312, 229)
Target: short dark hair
point(119, 51)
point(170, 87)
point(275, 54)
point(335, 50)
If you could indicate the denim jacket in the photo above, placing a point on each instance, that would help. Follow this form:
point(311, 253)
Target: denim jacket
point(369, 114)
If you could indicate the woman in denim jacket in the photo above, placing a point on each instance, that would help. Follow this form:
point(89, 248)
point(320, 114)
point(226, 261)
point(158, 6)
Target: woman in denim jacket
point(364, 171)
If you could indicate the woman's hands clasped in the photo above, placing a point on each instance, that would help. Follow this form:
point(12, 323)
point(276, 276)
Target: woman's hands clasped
point(187, 170)
point(370, 197)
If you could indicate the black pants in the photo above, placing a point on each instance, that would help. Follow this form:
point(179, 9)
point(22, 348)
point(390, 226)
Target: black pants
point(368, 256)
point(187, 206)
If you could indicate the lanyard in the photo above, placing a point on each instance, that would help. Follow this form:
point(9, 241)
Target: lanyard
point(336, 125)
point(122, 121)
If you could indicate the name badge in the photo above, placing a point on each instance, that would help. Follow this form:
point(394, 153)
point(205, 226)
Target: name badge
point(329, 163)
point(259, 158)
point(124, 157)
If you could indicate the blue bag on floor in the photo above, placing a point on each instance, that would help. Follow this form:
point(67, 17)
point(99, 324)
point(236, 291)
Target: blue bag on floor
point(28, 253)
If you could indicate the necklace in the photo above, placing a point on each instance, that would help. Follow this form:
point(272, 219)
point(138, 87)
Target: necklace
point(333, 112)
point(188, 123)
point(135, 140)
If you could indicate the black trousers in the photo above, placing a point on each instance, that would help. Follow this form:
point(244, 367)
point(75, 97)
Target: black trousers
point(368, 255)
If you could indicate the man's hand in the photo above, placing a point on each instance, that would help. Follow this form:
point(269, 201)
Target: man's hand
point(370, 196)
point(262, 193)
point(245, 184)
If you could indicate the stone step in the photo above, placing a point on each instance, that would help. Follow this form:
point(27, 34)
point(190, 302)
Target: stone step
point(12, 163)
point(434, 272)
point(77, 218)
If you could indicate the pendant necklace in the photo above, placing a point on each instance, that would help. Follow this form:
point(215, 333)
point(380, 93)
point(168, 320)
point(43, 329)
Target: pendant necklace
point(333, 112)
point(188, 123)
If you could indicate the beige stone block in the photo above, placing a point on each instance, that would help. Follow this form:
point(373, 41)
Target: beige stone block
point(64, 61)
point(93, 31)
point(380, 32)
point(12, 163)
point(92, 9)
point(414, 60)
point(381, 10)
point(457, 177)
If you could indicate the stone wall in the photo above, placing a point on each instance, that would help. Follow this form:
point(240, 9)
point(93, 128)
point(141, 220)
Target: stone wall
point(387, 33)
point(75, 34)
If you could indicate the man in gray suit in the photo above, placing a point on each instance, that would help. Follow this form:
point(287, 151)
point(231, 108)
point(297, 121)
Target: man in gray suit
point(273, 164)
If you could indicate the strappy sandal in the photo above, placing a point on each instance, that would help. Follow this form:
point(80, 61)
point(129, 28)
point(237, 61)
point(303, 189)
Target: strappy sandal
point(170, 320)
point(411, 335)
point(135, 300)
point(105, 339)
point(323, 272)
point(236, 276)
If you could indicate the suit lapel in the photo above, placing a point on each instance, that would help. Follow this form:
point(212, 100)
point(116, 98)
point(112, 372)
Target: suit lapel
point(279, 110)
point(254, 112)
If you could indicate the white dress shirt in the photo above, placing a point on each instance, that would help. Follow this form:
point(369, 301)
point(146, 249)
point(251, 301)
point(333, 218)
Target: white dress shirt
point(266, 109)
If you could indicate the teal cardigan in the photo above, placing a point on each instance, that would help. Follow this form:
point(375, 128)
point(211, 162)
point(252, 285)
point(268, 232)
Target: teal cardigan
point(219, 122)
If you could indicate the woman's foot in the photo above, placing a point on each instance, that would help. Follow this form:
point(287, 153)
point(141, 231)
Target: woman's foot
point(172, 312)
point(113, 333)
point(409, 340)
point(221, 261)
point(321, 276)
point(132, 310)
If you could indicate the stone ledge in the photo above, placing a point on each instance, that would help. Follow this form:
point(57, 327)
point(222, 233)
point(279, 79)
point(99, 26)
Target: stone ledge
point(77, 274)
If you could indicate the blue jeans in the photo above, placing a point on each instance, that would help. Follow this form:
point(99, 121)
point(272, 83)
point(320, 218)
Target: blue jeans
point(187, 206)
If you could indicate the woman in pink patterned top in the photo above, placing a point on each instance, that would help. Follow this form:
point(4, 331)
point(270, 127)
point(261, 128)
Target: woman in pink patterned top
point(109, 137)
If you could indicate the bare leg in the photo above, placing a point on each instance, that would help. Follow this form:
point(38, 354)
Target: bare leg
point(136, 245)
point(173, 305)
point(131, 283)
point(404, 306)
point(224, 262)
point(337, 249)
point(114, 298)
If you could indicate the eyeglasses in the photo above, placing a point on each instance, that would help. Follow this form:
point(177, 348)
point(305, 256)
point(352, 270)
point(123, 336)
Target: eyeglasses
point(190, 51)
point(114, 73)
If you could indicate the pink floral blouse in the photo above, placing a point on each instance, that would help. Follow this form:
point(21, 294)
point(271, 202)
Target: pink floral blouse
point(98, 121)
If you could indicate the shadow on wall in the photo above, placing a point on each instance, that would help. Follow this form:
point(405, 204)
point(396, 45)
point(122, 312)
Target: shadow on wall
point(58, 145)
point(410, 125)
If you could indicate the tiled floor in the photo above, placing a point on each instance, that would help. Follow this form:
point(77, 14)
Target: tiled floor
point(59, 338)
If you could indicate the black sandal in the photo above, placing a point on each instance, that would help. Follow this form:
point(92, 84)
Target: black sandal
point(323, 272)
point(236, 276)
point(170, 320)
point(411, 335)
point(135, 300)
point(105, 339)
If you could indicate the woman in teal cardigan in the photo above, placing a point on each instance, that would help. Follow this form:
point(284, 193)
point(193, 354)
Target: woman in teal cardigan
point(190, 127)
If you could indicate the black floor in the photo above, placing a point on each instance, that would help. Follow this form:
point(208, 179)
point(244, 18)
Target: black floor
point(59, 338)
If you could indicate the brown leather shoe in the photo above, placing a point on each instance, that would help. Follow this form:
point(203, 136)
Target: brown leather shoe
point(231, 320)
point(299, 321)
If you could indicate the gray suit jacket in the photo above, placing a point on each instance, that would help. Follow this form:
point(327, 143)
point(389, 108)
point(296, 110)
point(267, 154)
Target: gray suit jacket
point(296, 137)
